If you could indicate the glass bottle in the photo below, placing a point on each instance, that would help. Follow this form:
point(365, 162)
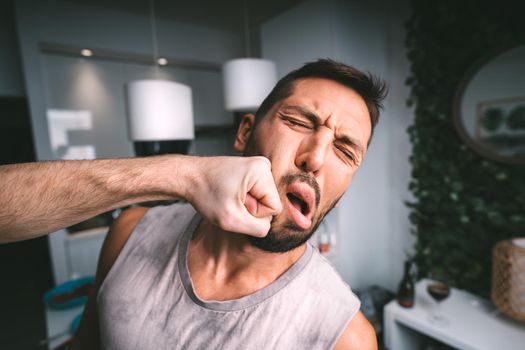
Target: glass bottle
point(405, 292)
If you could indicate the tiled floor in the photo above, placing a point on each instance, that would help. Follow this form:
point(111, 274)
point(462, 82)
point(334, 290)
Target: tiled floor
point(25, 275)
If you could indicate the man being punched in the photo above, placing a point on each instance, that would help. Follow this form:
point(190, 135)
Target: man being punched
point(168, 278)
point(201, 275)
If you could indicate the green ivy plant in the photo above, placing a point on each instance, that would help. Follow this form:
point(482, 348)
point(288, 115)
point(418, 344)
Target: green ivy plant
point(464, 203)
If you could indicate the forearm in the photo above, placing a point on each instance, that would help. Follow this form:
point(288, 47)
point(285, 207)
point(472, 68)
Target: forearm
point(39, 198)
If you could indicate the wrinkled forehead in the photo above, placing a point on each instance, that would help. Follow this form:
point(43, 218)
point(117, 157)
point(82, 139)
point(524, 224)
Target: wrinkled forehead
point(334, 103)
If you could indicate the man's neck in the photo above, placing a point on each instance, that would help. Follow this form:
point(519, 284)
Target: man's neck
point(225, 265)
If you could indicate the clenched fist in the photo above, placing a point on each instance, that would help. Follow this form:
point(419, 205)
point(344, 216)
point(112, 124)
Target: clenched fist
point(238, 194)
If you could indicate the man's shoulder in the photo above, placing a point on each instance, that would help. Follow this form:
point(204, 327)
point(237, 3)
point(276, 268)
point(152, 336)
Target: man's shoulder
point(358, 335)
point(157, 223)
point(118, 235)
point(150, 223)
point(336, 306)
point(127, 221)
point(177, 214)
point(321, 282)
point(322, 272)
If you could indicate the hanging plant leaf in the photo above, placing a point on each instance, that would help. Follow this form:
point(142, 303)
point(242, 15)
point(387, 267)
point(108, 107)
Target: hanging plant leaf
point(463, 203)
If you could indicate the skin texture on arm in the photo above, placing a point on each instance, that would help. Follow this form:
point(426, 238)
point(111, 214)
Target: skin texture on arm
point(43, 197)
point(87, 336)
point(359, 335)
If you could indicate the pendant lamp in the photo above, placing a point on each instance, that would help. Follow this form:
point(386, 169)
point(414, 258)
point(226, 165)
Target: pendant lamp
point(247, 81)
point(160, 112)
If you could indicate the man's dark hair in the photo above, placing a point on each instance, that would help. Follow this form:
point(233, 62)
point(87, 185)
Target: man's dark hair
point(371, 88)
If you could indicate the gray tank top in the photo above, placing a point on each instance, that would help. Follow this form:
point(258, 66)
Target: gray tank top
point(147, 300)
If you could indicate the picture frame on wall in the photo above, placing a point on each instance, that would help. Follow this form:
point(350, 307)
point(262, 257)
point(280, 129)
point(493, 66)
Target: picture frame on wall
point(500, 125)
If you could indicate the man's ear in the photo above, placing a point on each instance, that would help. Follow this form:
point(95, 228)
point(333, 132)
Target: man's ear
point(244, 132)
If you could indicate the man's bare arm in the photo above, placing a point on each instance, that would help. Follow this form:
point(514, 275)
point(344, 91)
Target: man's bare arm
point(358, 335)
point(42, 197)
point(39, 198)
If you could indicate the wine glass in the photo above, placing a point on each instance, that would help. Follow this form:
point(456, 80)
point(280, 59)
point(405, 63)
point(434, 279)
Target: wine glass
point(439, 291)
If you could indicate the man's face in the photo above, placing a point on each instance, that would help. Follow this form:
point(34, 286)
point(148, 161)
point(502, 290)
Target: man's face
point(315, 140)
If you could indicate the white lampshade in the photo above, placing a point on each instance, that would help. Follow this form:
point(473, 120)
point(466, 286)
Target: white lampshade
point(246, 82)
point(159, 110)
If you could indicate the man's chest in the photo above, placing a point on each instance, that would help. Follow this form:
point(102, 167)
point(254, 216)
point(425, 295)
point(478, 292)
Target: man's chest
point(175, 321)
point(207, 286)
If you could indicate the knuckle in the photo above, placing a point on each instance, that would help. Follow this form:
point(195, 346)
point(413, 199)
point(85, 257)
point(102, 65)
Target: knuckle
point(261, 160)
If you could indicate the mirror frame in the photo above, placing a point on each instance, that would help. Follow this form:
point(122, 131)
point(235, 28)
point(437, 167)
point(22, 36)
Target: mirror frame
point(458, 96)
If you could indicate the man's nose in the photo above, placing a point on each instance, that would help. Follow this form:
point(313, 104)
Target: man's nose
point(314, 150)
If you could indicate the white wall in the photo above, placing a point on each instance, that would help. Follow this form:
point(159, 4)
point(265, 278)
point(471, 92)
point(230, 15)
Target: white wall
point(66, 23)
point(373, 221)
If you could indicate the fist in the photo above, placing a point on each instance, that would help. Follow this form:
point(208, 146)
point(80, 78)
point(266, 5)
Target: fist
point(238, 194)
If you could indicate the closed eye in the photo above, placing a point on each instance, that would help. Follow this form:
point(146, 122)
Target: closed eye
point(347, 154)
point(294, 122)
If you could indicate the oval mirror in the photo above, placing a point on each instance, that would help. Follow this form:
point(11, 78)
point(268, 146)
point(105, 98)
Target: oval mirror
point(489, 107)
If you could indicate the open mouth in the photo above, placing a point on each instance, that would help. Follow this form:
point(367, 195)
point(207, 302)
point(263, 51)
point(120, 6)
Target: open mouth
point(298, 203)
point(301, 202)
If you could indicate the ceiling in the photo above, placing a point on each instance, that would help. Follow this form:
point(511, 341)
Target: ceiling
point(219, 14)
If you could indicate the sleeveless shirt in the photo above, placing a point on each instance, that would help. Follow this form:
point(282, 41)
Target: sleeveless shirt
point(147, 300)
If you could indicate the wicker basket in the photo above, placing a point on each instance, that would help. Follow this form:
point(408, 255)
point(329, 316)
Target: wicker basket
point(508, 278)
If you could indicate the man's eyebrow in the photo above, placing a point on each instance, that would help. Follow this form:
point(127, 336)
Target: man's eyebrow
point(310, 115)
point(316, 121)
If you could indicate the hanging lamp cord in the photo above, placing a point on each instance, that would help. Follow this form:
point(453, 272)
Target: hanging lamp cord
point(246, 17)
point(153, 24)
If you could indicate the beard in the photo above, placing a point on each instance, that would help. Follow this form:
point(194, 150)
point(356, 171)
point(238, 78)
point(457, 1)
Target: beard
point(287, 235)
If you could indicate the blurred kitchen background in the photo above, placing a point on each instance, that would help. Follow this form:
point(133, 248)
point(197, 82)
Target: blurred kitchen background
point(442, 185)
